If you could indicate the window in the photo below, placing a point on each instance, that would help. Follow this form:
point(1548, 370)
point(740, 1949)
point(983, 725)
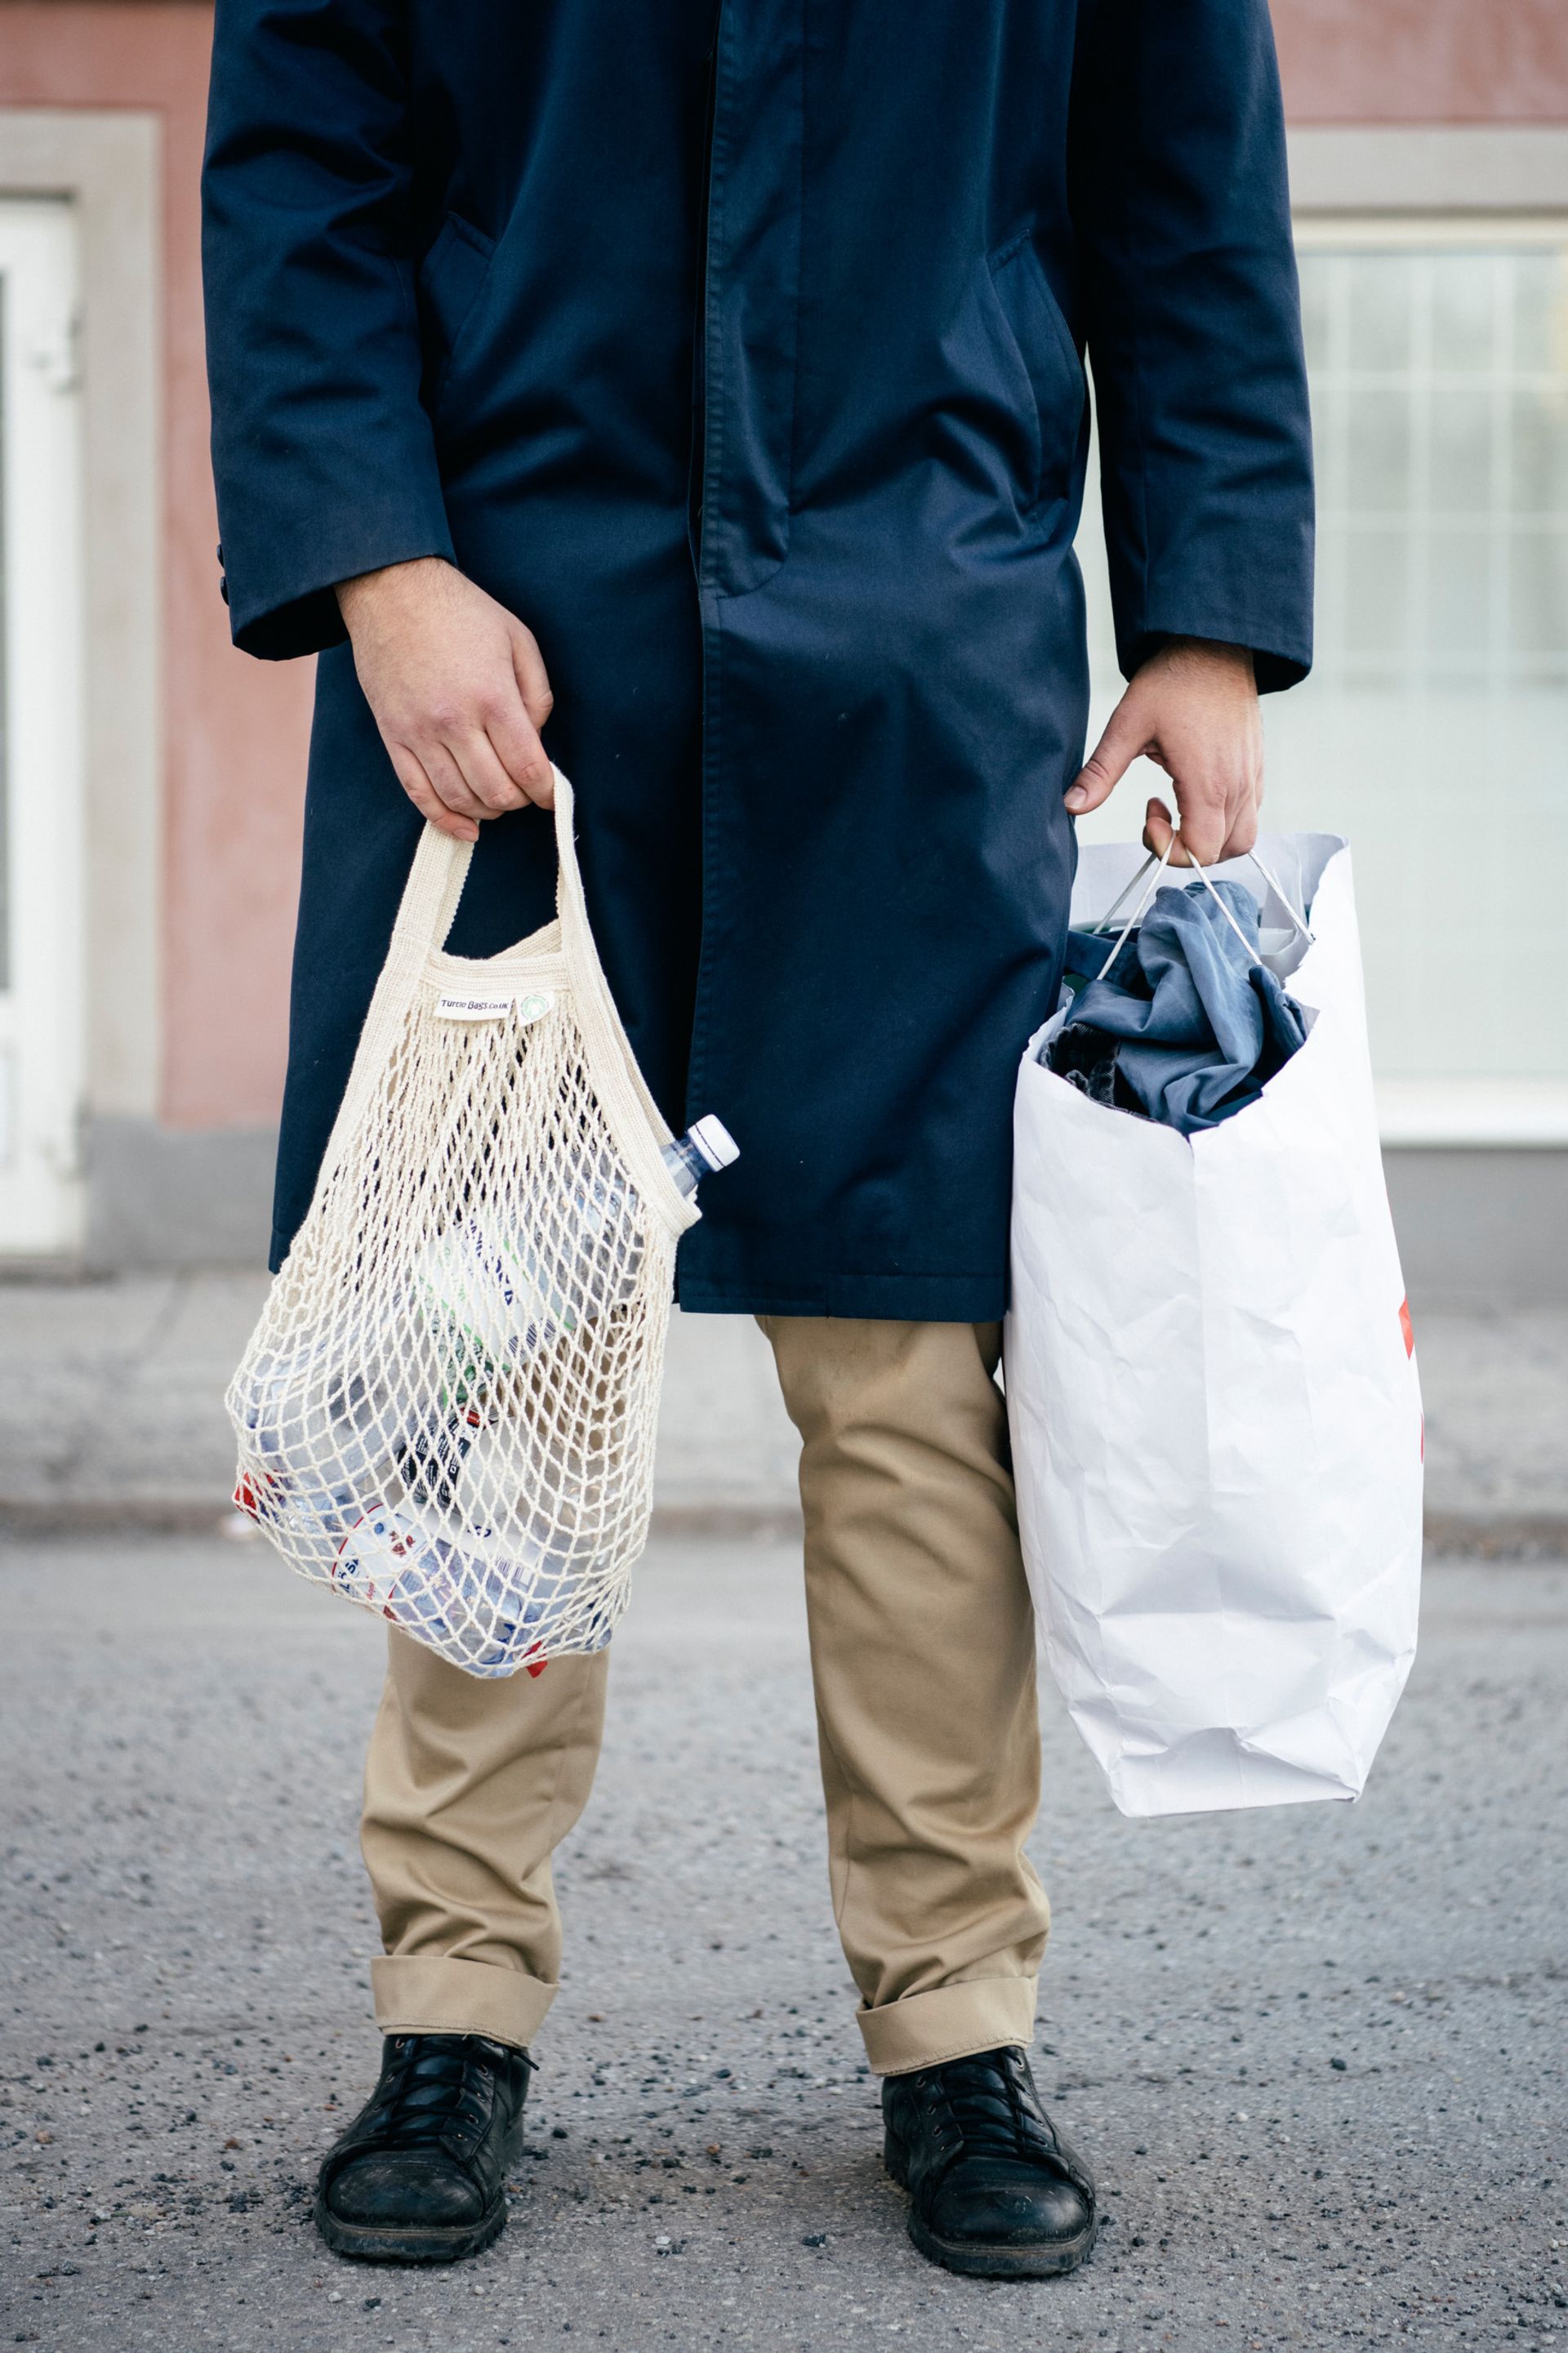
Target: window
point(1434, 731)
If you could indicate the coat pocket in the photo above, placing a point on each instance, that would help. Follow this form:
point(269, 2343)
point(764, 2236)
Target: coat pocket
point(451, 280)
point(1041, 339)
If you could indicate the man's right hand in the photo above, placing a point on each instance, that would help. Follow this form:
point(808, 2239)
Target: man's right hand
point(458, 690)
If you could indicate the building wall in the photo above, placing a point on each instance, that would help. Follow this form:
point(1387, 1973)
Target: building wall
point(1423, 60)
point(235, 729)
point(193, 1182)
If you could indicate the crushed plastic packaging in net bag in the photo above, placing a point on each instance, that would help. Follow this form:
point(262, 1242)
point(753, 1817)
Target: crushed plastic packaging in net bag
point(447, 1411)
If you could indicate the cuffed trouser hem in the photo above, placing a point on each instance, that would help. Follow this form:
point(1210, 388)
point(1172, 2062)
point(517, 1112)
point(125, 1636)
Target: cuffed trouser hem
point(429, 1994)
point(925, 2030)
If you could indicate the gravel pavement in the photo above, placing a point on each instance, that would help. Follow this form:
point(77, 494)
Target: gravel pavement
point(1317, 2055)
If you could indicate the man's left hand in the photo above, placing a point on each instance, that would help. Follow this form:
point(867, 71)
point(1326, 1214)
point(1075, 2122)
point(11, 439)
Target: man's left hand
point(1192, 709)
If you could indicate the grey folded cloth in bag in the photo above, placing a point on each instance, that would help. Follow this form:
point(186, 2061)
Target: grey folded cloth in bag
point(1185, 1025)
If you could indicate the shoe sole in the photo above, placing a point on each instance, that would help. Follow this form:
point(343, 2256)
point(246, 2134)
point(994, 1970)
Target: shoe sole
point(368, 2245)
point(367, 2242)
point(997, 2259)
point(374, 2245)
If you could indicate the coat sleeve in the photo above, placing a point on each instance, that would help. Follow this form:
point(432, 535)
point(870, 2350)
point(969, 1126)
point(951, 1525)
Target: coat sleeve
point(323, 455)
point(1190, 301)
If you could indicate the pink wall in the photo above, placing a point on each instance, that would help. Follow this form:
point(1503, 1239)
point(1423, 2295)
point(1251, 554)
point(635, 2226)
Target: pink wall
point(235, 729)
point(1423, 60)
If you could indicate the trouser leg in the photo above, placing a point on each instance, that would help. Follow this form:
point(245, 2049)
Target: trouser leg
point(470, 1787)
point(922, 1647)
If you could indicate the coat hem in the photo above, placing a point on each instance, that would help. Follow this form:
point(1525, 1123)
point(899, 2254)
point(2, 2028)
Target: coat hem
point(878, 1298)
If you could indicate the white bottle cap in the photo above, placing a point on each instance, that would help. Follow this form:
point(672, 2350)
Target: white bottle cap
point(714, 1142)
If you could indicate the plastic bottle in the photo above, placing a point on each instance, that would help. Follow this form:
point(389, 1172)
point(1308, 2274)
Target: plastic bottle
point(609, 1253)
point(706, 1146)
point(503, 1301)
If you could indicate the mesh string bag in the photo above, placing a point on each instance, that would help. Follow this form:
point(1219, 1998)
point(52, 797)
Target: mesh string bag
point(446, 1410)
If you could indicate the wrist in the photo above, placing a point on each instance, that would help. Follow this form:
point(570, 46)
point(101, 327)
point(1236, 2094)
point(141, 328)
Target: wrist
point(1185, 653)
point(357, 596)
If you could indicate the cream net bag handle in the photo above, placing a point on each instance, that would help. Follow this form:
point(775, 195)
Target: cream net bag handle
point(446, 1410)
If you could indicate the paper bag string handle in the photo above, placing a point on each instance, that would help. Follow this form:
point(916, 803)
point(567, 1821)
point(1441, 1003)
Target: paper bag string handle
point(1158, 865)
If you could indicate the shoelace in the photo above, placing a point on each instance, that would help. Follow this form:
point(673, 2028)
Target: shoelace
point(435, 2079)
point(989, 2100)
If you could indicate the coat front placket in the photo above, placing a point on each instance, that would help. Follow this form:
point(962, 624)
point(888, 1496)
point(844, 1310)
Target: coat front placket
point(744, 442)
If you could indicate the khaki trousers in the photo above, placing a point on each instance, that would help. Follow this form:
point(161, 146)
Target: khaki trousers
point(923, 1654)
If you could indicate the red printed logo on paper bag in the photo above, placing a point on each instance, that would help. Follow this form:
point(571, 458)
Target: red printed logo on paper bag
point(1408, 1329)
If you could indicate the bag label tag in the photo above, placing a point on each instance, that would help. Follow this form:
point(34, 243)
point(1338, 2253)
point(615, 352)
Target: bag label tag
point(494, 1004)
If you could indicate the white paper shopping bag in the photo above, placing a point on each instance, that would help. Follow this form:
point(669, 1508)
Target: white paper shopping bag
point(1211, 1381)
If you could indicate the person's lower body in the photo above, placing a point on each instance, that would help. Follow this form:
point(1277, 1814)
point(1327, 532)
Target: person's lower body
point(922, 1652)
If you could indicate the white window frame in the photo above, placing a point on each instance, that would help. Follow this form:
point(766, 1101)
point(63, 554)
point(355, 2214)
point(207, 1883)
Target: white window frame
point(1423, 185)
point(42, 1031)
point(1462, 1110)
point(107, 161)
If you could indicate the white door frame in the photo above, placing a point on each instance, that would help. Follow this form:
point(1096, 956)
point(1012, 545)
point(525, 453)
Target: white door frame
point(108, 161)
point(43, 1056)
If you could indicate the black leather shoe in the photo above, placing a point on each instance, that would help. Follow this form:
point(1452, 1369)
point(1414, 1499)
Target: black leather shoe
point(419, 2177)
point(994, 2188)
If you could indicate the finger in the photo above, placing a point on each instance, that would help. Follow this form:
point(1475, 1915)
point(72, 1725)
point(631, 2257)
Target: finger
point(532, 678)
point(481, 770)
point(1122, 741)
point(1186, 848)
point(448, 784)
point(1243, 832)
point(1244, 818)
point(516, 734)
point(1204, 824)
point(422, 793)
point(1159, 834)
point(515, 741)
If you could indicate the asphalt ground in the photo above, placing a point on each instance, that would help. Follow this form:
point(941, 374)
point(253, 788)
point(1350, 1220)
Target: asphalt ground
point(1316, 2054)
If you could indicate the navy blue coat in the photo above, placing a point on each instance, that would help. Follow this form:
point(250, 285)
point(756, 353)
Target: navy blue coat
point(739, 352)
